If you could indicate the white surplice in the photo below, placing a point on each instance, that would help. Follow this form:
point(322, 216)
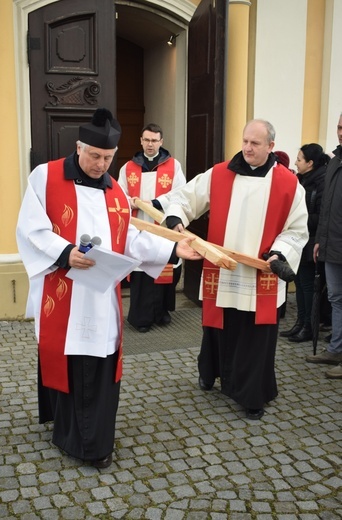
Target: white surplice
point(94, 322)
point(244, 230)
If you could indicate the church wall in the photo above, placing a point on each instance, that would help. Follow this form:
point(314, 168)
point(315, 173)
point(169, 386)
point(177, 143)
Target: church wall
point(280, 68)
point(313, 71)
point(13, 279)
point(9, 171)
point(331, 76)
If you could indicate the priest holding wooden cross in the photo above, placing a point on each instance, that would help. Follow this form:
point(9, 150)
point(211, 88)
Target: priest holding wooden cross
point(256, 207)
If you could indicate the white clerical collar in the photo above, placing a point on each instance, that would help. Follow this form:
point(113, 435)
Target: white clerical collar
point(151, 158)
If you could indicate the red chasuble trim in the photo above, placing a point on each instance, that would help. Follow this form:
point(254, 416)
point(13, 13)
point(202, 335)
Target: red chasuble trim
point(283, 188)
point(212, 316)
point(133, 177)
point(164, 181)
point(54, 315)
point(119, 217)
point(61, 204)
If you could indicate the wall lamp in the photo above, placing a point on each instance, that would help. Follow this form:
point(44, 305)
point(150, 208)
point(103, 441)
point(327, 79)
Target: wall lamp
point(172, 40)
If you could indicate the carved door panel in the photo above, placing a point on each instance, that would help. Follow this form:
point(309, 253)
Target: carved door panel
point(71, 49)
point(206, 87)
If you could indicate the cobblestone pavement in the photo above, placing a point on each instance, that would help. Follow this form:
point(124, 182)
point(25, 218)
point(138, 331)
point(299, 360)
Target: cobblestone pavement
point(180, 453)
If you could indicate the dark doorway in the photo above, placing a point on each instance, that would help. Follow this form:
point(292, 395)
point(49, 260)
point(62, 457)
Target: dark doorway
point(130, 98)
point(206, 87)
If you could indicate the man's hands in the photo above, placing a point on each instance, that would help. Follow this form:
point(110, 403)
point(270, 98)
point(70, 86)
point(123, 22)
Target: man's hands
point(133, 204)
point(280, 267)
point(315, 252)
point(78, 260)
point(185, 251)
point(179, 228)
point(183, 246)
point(268, 261)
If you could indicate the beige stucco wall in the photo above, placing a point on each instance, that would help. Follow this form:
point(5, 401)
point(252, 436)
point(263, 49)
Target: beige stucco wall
point(9, 171)
point(237, 75)
point(13, 278)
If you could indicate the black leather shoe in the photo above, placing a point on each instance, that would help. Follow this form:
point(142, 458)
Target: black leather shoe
point(203, 385)
point(291, 332)
point(254, 413)
point(103, 463)
point(143, 329)
point(305, 334)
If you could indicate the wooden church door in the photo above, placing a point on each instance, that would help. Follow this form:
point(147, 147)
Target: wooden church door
point(206, 89)
point(71, 52)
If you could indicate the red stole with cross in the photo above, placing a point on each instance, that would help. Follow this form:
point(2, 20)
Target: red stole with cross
point(164, 179)
point(61, 204)
point(283, 188)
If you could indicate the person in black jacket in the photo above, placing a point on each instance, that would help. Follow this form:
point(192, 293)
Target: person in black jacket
point(311, 165)
point(328, 249)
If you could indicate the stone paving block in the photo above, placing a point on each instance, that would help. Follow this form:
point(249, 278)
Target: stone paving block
point(153, 513)
point(42, 503)
point(97, 508)
point(48, 514)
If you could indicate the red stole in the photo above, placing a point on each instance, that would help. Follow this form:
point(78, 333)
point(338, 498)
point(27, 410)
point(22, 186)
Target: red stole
point(283, 188)
point(61, 204)
point(165, 174)
point(164, 179)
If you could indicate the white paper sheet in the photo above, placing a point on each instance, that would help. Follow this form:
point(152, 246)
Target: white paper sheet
point(110, 268)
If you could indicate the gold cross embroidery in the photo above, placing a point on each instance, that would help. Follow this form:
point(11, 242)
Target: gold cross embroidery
point(165, 180)
point(132, 179)
point(267, 281)
point(211, 283)
point(117, 207)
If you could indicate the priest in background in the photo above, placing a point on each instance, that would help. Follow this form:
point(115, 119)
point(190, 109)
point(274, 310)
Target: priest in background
point(149, 176)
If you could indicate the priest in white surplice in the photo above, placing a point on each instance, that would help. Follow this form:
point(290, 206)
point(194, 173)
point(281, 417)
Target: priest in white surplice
point(257, 207)
point(79, 330)
point(149, 175)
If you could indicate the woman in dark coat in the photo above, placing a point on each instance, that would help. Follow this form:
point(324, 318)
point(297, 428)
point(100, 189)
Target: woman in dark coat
point(311, 165)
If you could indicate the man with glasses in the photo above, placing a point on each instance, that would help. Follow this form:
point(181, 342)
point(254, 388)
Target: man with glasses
point(149, 176)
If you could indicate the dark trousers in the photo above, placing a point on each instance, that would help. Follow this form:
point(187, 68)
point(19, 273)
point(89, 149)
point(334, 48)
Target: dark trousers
point(304, 291)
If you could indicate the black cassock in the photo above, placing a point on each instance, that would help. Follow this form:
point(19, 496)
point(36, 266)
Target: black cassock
point(84, 419)
point(150, 301)
point(242, 355)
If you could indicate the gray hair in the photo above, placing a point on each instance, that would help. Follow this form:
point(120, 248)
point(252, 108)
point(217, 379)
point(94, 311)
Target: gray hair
point(84, 146)
point(81, 144)
point(269, 128)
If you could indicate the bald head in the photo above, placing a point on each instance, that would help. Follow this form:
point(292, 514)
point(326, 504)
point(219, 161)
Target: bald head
point(257, 142)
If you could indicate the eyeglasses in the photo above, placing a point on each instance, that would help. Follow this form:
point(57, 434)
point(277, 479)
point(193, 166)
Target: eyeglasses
point(153, 141)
